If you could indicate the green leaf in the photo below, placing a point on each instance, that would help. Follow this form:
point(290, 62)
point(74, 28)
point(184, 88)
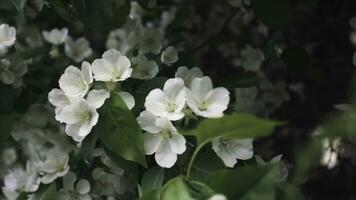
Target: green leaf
point(151, 195)
point(119, 131)
point(176, 189)
point(275, 13)
point(22, 196)
point(246, 183)
point(50, 193)
point(102, 15)
point(288, 191)
point(240, 125)
point(64, 9)
point(152, 179)
point(206, 163)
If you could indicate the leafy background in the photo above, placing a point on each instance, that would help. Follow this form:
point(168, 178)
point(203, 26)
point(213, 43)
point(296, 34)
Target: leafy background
point(326, 73)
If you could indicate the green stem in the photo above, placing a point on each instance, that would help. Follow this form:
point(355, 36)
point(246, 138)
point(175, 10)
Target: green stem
point(190, 165)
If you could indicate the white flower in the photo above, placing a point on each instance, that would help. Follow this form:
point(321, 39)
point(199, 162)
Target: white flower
point(144, 68)
point(55, 165)
point(229, 150)
point(150, 41)
point(252, 58)
point(55, 36)
point(20, 180)
point(206, 101)
point(188, 74)
point(125, 38)
point(330, 156)
point(7, 36)
point(81, 115)
point(112, 67)
point(77, 50)
point(169, 55)
point(161, 138)
point(168, 103)
point(107, 184)
point(75, 82)
point(79, 192)
point(218, 197)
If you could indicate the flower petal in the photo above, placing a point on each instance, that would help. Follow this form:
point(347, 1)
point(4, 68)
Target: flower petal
point(152, 142)
point(102, 70)
point(177, 143)
point(156, 102)
point(173, 87)
point(200, 87)
point(86, 71)
point(96, 98)
point(164, 156)
point(82, 187)
point(57, 98)
point(128, 99)
point(147, 122)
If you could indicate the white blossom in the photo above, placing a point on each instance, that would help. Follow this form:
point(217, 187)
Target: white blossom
point(169, 55)
point(161, 139)
point(330, 149)
point(125, 38)
point(21, 180)
point(144, 68)
point(206, 101)
point(75, 82)
point(55, 36)
point(112, 67)
point(6, 75)
point(9, 156)
point(150, 40)
point(168, 102)
point(229, 150)
point(54, 166)
point(107, 184)
point(72, 190)
point(80, 117)
point(188, 74)
point(7, 36)
point(77, 50)
point(252, 58)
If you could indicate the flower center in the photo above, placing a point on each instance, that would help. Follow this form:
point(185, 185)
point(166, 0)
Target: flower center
point(166, 134)
point(203, 106)
point(171, 107)
point(84, 116)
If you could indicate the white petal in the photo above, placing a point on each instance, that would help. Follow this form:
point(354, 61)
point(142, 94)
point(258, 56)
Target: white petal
point(191, 100)
point(152, 142)
point(172, 87)
point(72, 82)
point(96, 98)
point(86, 70)
point(147, 122)
point(156, 102)
point(112, 56)
point(177, 143)
point(102, 70)
point(174, 116)
point(200, 87)
point(83, 186)
point(218, 96)
point(68, 115)
point(228, 159)
point(180, 100)
point(164, 124)
point(123, 65)
point(57, 98)
point(164, 156)
point(128, 99)
point(242, 149)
